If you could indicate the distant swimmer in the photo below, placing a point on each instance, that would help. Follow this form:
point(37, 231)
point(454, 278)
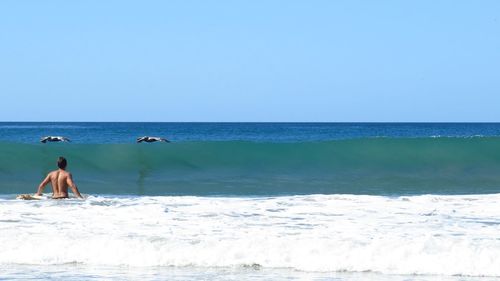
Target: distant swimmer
point(54, 139)
point(151, 139)
point(60, 179)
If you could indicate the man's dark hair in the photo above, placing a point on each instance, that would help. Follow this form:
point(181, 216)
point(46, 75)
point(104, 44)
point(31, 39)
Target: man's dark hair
point(61, 163)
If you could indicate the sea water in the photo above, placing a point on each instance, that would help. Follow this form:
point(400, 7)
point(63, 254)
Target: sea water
point(272, 201)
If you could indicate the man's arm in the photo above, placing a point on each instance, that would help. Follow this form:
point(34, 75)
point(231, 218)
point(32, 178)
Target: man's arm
point(73, 186)
point(42, 185)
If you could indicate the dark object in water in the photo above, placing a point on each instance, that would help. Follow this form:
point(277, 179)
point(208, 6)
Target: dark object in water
point(151, 139)
point(54, 139)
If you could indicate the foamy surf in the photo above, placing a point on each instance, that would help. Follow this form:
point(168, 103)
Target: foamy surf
point(441, 235)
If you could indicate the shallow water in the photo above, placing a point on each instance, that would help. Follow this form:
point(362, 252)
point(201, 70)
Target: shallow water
point(425, 235)
point(81, 272)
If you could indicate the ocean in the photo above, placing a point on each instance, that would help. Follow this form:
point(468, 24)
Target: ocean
point(254, 201)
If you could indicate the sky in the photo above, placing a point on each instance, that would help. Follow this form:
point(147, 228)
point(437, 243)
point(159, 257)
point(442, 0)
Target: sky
point(250, 60)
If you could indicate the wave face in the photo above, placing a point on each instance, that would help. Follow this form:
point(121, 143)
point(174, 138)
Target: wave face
point(425, 234)
point(377, 166)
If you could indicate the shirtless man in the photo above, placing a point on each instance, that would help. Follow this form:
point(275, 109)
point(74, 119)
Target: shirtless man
point(60, 180)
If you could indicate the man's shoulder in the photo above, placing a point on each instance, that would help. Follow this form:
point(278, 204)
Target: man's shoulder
point(59, 172)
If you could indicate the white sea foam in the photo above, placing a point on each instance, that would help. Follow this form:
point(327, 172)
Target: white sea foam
point(446, 235)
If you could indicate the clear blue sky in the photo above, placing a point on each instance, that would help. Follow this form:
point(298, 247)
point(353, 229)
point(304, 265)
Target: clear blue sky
point(250, 60)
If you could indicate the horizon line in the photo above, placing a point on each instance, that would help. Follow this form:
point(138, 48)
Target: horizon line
point(284, 122)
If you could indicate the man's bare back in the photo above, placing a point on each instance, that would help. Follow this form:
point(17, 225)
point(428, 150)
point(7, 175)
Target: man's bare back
point(60, 180)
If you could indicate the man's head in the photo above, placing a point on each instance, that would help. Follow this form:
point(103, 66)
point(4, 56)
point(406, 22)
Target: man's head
point(61, 163)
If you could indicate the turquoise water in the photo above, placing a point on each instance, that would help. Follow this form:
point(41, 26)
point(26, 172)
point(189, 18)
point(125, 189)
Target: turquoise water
point(375, 166)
